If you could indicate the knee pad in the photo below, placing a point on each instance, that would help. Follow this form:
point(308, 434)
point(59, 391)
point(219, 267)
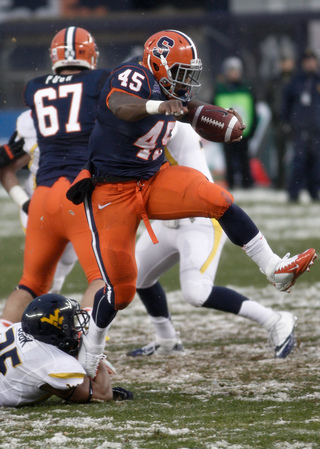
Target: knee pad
point(217, 196)
point(196, 293)
point(123, 295)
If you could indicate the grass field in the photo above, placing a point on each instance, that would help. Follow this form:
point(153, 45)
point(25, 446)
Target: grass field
point(228, 391)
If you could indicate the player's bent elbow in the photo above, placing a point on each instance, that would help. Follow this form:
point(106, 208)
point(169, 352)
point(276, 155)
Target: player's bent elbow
point(125, 107)
point(127, 113)
point(120, 112)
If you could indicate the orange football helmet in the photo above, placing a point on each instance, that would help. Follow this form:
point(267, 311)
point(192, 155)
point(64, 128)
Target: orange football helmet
point(173, 59)
point(73, 47)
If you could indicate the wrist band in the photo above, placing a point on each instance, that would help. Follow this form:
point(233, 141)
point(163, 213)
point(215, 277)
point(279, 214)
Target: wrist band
point(152, 106)
point(18, 195)
point(90, 390)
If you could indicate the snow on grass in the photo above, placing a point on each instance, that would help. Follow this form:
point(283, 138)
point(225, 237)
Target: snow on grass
point(227, 359)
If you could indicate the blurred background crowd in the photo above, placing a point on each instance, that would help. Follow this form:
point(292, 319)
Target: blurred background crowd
point(259, 57)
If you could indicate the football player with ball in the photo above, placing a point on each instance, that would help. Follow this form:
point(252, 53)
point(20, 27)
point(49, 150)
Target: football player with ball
point(127, 179)
point(197, 244)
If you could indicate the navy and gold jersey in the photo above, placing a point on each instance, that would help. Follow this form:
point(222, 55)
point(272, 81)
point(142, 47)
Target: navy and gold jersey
point(64, 109)
point(129, 149)
point(27, 363)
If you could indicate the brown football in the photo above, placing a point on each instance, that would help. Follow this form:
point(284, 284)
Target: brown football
point(214, 123)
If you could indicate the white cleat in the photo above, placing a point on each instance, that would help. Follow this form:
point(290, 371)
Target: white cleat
point(287, 271)
point(281, 333)
point(88, 358)
point(160, 347)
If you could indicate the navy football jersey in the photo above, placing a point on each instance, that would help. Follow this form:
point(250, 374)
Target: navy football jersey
point(130, 149)
point(64, 109)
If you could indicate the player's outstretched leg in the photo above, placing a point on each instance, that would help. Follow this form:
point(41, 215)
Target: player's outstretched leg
point(279, 325)
point(242, 231)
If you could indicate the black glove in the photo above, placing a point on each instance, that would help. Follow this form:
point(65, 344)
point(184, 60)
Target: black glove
point(77, 192)
point(11, 151)
point(120, 394)
point(25, 207)
point(81, 186)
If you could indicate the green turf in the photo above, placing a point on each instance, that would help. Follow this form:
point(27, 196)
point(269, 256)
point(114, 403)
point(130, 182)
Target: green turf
point(227, 393)
point(171, 419)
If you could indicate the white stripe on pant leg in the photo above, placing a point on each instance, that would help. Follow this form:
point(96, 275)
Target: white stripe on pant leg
point(96, 253)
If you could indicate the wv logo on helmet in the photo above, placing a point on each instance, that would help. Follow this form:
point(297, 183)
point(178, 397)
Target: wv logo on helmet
point(55, 320)
point(163, 47)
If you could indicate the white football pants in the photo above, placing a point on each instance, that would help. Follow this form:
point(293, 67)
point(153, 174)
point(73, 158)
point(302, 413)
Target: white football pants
point(196, 243)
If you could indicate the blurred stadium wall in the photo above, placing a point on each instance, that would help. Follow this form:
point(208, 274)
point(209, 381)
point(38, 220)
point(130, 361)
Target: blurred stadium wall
point(259, 32)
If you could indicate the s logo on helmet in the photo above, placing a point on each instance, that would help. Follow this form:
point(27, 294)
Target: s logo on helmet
point(163, 47)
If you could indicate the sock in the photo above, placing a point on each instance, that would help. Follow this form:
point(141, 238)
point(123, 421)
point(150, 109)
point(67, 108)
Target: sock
point(255, 312)
point(57, 285)
point(225, 299)
point(96, 337)
point(260, 252)
point(242, 231)
point(60, 275)
point(163, 327)
point(103, 311)
point(64, 266)
point(238, 226)
point(154, 300)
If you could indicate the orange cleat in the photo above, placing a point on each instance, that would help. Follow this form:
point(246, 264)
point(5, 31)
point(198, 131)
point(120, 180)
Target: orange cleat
point(289, 269)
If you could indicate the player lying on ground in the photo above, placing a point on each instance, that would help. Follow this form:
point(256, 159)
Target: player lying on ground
point(197, 244)
point(138, 107)
point(38, 357)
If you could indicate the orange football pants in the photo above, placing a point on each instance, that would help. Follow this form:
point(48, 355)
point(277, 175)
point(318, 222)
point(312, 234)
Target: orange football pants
point(53, 221)
point(115, 210)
